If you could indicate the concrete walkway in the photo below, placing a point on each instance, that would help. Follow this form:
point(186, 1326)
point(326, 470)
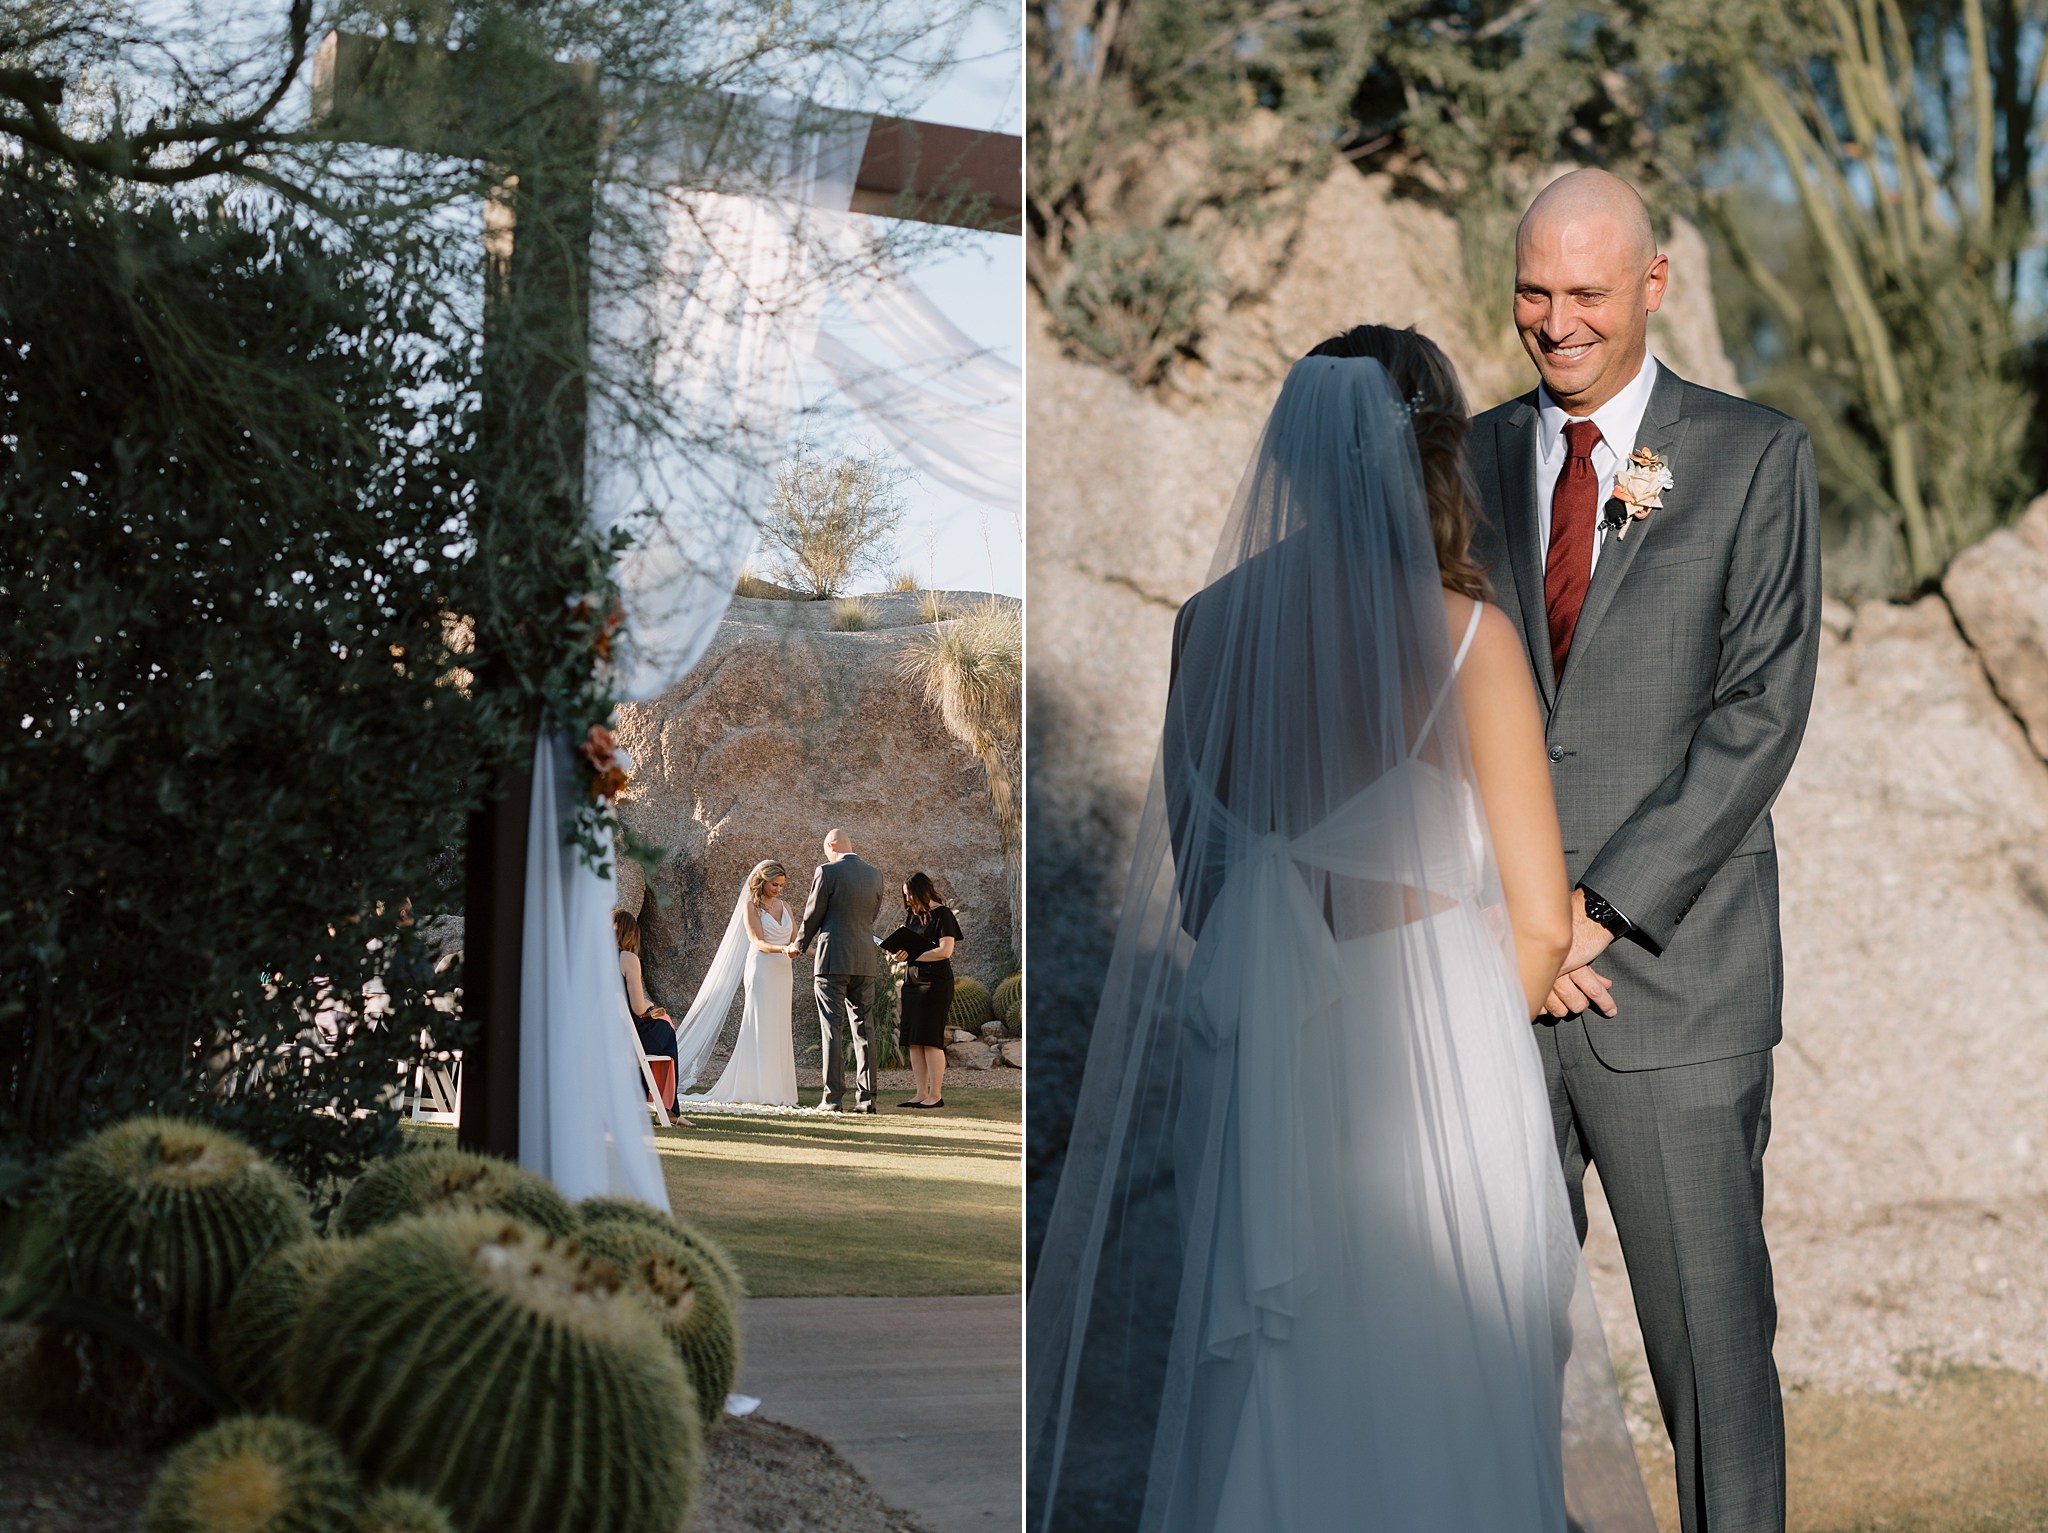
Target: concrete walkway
point(925, 1396)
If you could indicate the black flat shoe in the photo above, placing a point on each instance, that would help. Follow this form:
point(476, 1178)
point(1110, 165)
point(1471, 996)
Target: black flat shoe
point(910, 1104)
point(928, 1106)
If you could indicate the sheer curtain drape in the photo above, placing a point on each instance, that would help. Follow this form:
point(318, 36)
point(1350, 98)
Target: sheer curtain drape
point(726, 321)
point(1310, 1263)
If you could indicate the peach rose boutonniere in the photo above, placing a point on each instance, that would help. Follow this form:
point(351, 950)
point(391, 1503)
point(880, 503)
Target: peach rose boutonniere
point(1639, 488)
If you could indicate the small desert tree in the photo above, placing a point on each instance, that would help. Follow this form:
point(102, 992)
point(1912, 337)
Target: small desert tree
point(972, 669)
point(832, 519)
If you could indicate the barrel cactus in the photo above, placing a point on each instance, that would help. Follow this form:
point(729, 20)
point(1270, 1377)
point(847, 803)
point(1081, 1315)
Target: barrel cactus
point(164, 1218)
point(502, 1372)
point(451, 1181)
point(254, 1474)
point(970, 1005)
point(599, 1210)
point(249, 1348)
point(686, 1294)
point(392, 1510)
point(1008, 1003)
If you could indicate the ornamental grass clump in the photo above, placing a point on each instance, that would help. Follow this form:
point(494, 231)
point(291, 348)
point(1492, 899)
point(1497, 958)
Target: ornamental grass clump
point(970, 1005)
point(163, 1218)
point(451, 1181)
point(502, 1372)
point(249, 1348)
point(686, 1293)
point(593, 1211)
point(254, 1474)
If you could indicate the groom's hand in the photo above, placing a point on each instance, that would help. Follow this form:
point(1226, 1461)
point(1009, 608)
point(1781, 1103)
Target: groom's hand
point(1578, 988)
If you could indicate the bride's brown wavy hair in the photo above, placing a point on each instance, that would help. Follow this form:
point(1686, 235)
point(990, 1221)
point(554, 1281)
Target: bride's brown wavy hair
point(1436, 404)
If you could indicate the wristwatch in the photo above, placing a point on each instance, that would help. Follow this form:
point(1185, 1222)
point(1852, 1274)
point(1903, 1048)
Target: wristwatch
point(1598, 910)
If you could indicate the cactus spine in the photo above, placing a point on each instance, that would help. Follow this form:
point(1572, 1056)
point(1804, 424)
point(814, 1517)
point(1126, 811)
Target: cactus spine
point(165, 1217)
point(402, 1511)
point(601, 1210)
point(451, 1181)
point(505, 1374)
point(970, 1004)
point(254, 1474)
point(249, 1349)
point(686, 1294)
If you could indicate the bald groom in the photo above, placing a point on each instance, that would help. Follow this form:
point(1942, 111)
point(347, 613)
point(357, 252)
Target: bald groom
point(1657, 544)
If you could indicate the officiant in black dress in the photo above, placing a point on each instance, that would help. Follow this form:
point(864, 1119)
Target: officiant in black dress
point(926, 939)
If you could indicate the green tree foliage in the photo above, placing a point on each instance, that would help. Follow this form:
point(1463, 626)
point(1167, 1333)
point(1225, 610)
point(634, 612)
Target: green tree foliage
point(232, 550)
point(1908, 131)
point(1470, 103)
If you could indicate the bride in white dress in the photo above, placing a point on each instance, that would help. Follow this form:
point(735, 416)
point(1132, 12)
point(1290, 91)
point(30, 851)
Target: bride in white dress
point(755, 952)
point(1311, 1263)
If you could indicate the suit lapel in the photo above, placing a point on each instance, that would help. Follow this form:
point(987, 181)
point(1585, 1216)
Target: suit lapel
point(1515, 459)
point(1662, 432)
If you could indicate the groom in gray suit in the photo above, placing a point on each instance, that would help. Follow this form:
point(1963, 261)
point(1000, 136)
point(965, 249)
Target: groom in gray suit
point(1657, 544)
point(846, 896)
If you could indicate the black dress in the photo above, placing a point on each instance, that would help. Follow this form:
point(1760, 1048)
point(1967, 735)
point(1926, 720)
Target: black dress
point(928, 987)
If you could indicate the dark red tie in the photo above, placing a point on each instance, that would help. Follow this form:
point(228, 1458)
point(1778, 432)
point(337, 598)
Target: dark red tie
point(1574, 507)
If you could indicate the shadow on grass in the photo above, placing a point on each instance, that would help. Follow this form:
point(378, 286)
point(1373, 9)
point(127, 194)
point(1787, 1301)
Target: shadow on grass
point(898, 1204)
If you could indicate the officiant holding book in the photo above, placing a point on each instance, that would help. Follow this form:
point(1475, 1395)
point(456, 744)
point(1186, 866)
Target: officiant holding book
point(925, 940)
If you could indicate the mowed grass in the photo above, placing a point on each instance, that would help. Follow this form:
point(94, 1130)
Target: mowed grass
point(1968, 1454)
point(902, 1204)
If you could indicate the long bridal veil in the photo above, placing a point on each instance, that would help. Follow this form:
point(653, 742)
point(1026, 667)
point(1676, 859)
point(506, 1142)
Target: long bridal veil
point(697, 1033)
point(1310, 1264)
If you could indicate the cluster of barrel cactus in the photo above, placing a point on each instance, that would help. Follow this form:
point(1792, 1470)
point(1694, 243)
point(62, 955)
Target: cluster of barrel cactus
point(971, 1005)
point(1008, 1002)
point(466, 1351)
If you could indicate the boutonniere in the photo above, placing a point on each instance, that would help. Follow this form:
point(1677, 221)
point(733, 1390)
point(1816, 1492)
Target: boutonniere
point(1639, 488)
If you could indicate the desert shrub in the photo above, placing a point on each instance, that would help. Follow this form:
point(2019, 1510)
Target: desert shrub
point(1132, 298)
point(831, 519)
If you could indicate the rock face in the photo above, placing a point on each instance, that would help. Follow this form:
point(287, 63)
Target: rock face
point(1999, 591)
point(786, 728)
point(1907, 1178)
point(1128, 492)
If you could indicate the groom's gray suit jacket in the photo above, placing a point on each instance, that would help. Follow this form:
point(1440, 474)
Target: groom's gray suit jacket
point(846, 896)
point(1682, 704)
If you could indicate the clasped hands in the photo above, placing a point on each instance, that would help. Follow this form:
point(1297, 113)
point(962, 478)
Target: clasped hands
point(1577, 987)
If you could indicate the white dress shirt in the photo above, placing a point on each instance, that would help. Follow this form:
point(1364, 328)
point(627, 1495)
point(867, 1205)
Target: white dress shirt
point(1619, 420)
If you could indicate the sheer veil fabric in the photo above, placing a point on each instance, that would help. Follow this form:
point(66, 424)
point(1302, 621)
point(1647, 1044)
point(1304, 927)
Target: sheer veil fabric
point(697, 1033)
point(1310, 1264)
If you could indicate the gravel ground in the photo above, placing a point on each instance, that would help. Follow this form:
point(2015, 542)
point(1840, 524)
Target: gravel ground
point(759, 1477)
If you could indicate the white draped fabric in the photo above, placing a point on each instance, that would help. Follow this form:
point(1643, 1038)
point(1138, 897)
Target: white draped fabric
point(582, 1121)
point(950, 408)
point(729, 323)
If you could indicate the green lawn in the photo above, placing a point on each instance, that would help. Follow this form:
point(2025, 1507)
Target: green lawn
point(904, 1204)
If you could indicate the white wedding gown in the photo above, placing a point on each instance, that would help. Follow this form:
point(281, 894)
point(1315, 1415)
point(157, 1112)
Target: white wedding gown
point(762, 1070)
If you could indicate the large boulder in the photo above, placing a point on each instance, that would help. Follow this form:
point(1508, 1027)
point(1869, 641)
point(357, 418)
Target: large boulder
point(1128, 491)
point(1999, 591)
point(787, 727)
point(1909, 1142)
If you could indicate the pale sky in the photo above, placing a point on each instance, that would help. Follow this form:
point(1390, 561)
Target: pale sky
point(981, 289)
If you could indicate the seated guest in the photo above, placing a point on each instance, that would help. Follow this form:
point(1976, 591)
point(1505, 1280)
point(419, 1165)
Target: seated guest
point(656, 1028)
